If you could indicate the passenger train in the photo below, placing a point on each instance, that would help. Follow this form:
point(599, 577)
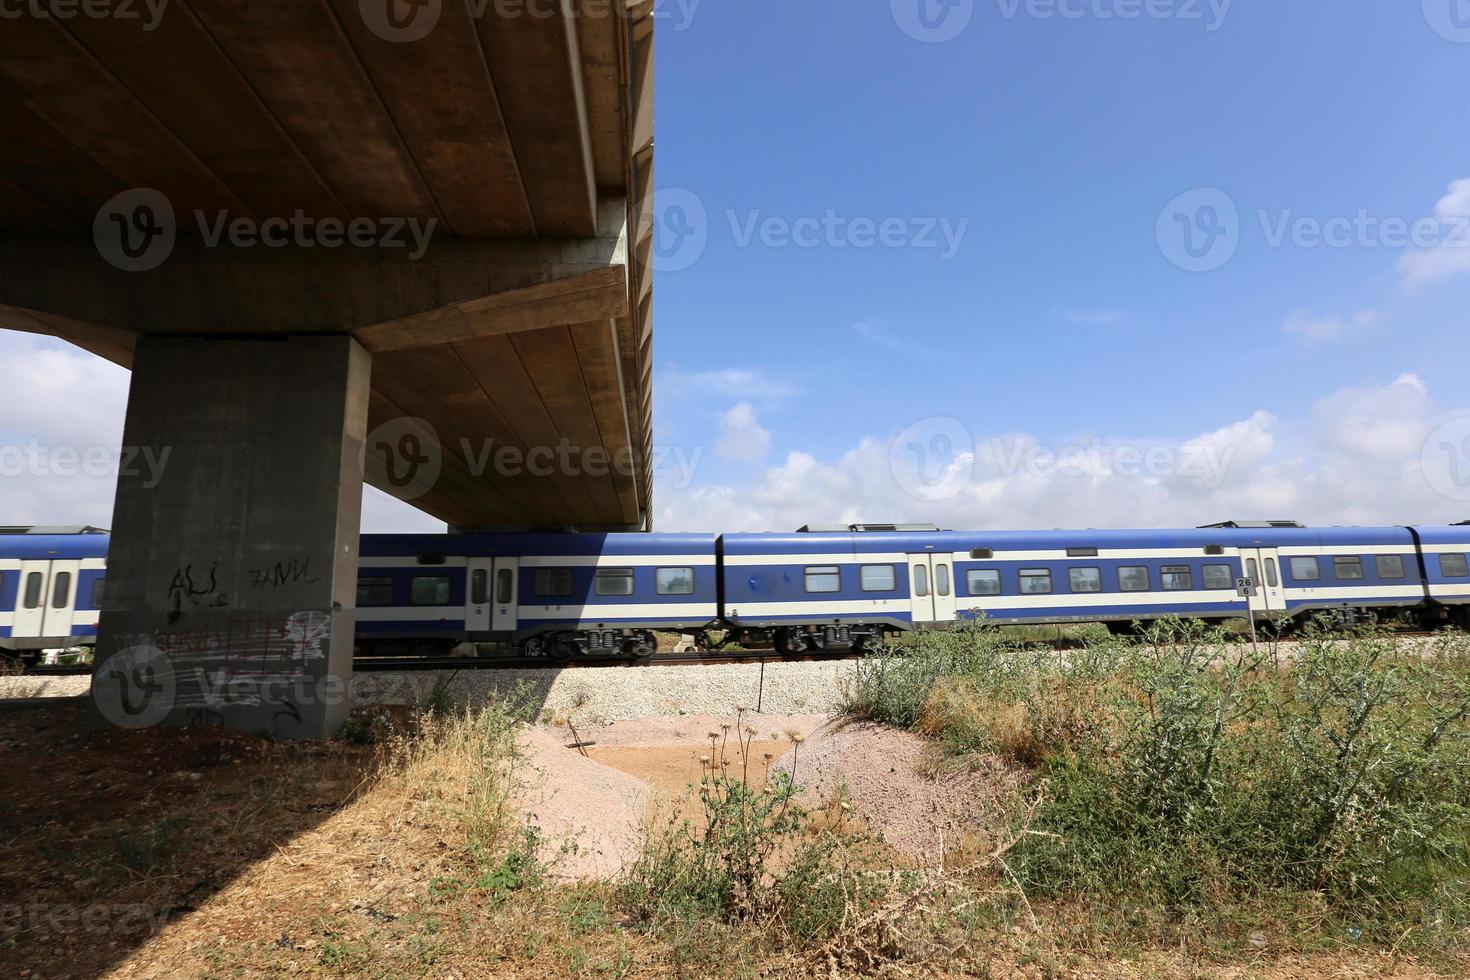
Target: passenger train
point(836, 588)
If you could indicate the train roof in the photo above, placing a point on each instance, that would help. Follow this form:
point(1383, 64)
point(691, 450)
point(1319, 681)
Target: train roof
point(30, 546)
point(397, 545)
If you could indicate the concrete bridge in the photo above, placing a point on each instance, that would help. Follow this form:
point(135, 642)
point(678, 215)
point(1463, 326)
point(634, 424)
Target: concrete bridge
point(405, 241)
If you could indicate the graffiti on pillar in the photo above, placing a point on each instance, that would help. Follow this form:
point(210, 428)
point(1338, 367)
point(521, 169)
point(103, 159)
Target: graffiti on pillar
point(196, 590)
point(283, 573)
point(309, 634)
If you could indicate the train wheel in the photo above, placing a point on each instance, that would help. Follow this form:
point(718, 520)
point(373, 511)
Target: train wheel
point(789, 643)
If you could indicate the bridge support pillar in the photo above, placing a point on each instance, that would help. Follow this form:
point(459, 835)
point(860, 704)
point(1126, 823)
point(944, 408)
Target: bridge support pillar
point(232, 568)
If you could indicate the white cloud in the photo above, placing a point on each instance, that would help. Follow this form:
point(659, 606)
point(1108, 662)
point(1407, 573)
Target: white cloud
point(1332, 327)
point(675, 384)
point(1355, 458)
point(742, 439)
point(1452, 256)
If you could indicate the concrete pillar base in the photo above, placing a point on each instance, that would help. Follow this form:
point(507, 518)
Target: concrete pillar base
point(232, 570)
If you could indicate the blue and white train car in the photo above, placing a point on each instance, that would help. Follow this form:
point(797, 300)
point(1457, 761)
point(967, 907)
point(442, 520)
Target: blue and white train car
point(50, 587)
point(1446, 570)
point(558, 595)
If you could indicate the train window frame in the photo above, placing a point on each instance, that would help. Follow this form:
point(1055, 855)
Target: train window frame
point(99, 589)
point(33, 589)
point(1170, 577)
point(1038, 574)
point(1273, 576)
point(1385, 565)
point(61, 590)
point(942, 583)
point(892, 578)
point(1148, 583)
point(505, 581)
point(822, 573)
point(377, 581)
point(921, 581)
point(1082, 552)
point(1306, 568)
point(479, 586)
point(989, 575)
point(982, 554)
point(623, 577)
point(552, 582)
point(441, 584)
point(1463, 565)
point(661, 583)
point(1342, 563)
point(1096, 579)
point(1224, 577)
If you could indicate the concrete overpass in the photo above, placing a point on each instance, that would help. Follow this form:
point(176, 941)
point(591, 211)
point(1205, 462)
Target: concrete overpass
point(400, 240)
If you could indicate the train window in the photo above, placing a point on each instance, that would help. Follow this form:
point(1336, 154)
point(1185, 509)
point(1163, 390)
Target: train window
point(1306, 569)
point(1454, 566)
point(982, 554)
point(1253, 572)
point(941, 580)
point(429, 590)
point(1177, 578)
point(879, 578)
point(983, 581)
point(1081, 552)
point(1391, 566)
point(34, 584)
point(1133, 578)
point(823, 578)
point(553, 583)
point(374, 592)
point(61, 590)
point(479, 586)
point(1214, 549)
point(504, 586)
point(1086, 579)
point(1348, 567)
point(1035, 581)
point(1272, 579)
point(675, 581)
point(921, 581)
point(1219, 577)
point(98, 587)
point(614, 581)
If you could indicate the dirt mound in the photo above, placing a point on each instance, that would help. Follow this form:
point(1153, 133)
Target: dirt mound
point(591, 814)
point(924, 807)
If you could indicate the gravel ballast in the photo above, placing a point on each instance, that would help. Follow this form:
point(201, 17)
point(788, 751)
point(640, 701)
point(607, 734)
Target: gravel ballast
point(589, 695)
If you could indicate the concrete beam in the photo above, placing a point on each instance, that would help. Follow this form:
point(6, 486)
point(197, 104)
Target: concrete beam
point(232, 580)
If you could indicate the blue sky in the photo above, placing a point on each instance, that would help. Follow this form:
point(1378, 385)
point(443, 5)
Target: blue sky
point(1057, 142)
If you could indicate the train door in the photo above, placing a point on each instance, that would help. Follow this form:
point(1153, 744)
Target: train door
point(477, 596)
point(504, 615)
point(1263, 567)
point(61, 600)
point(30, 600)
point(931, 584)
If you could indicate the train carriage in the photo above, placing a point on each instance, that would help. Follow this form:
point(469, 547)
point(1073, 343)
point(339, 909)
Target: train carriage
point(1446, 569)
point(51, 582)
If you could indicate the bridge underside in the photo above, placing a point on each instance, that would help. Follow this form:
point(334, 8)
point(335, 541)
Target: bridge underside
point(335, 243)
